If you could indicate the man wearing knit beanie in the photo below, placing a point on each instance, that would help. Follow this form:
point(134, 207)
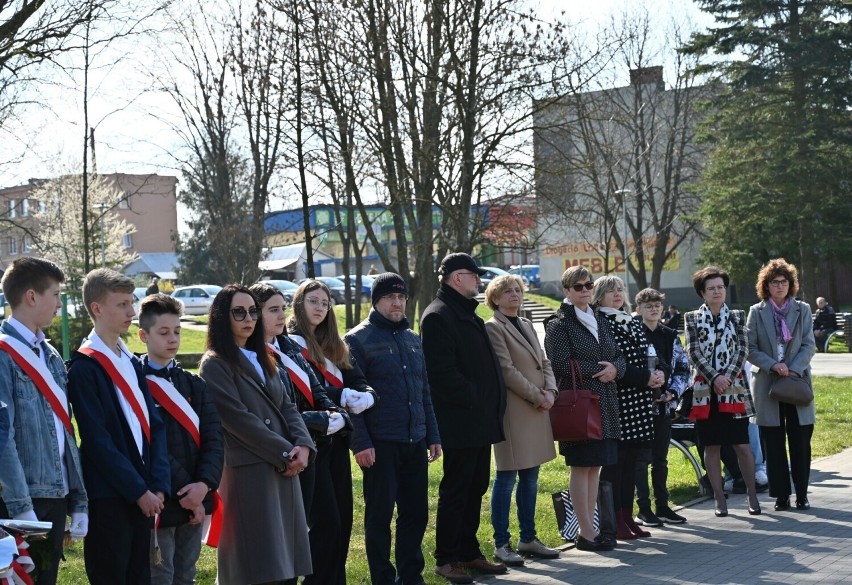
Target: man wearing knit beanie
point(387, 283)
point(395, 440)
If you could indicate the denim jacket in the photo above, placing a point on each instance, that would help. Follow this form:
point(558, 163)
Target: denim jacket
point(30, 467)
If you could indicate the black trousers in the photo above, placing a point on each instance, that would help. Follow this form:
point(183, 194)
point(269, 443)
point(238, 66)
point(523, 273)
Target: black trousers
point(331, 514)
point(659, 466)
point(798, 440)
point(622, 474)
point(467, 472)
point(399, 476)
point(117, 548)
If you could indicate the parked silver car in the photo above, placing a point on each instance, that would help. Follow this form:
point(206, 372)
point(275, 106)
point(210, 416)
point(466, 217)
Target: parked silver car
point(196, 299)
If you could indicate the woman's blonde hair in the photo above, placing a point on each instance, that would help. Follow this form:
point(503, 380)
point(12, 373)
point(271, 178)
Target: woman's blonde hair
point(574, 275)
point(607, 283)
point(324, 341)
point(500, 285)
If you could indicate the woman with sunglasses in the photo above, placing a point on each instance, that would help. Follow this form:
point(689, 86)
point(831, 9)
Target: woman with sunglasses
point(717, 346)
point(577, 333)
point(265, 532)
point(781, 343)
point(314, 327)
point(322, 416)
point(637, 389)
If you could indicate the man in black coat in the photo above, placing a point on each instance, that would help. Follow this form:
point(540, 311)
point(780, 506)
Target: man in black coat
point(469, 398)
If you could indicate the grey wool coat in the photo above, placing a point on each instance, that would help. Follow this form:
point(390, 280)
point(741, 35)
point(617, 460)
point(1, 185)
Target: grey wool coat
point(526, 370)
point(264, 532)
point(762, 353)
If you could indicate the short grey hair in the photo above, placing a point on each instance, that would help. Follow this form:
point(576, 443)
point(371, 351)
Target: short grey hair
point(608, 283)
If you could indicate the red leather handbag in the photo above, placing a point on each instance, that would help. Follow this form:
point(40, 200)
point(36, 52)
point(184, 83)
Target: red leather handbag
point(576, 414)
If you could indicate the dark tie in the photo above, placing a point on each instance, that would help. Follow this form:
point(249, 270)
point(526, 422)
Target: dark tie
point(37, 351)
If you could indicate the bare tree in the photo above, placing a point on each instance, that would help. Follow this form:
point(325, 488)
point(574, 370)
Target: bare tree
point(615, 164)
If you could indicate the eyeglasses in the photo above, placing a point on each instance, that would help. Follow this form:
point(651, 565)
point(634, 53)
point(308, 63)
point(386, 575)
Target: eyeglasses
point(239, 313)
point(471, 273)
point(713, 289)
point(780, 282)
point(583, 285)
point(396, 297)
point(652, 306)
point(314, 302)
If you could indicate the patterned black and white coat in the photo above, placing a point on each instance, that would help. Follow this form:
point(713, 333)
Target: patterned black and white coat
point(565, 339)
point(635, 399)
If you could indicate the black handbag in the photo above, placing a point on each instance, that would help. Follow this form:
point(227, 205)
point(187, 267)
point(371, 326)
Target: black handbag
point(792, 389)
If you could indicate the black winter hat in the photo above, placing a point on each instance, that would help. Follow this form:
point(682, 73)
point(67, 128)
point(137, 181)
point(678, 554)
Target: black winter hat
point(387, 283)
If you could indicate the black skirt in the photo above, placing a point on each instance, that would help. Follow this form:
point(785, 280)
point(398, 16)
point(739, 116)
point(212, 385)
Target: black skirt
point(721, 428)
point(590, 453)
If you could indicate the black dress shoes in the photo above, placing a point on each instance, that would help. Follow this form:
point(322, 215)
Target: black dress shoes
point(782, 504)
point(599, 544)
point(803, 504)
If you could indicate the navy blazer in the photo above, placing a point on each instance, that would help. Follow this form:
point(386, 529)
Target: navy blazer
point(112, 466)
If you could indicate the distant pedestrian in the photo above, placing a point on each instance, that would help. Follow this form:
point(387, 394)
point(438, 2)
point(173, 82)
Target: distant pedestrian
point(153, 288)
point(373, 270)
point(825, 322)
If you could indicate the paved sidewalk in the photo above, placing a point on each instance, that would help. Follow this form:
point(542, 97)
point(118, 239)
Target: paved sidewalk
point(776, 547)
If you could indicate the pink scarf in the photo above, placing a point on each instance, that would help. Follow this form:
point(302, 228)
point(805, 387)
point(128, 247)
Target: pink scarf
point(780, 314)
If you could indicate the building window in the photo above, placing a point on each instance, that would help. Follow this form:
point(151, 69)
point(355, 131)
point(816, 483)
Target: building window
point(12, 245)
point(128, 241)
point(25, 208)
point(12, 208)
point(41, 206)
point(26, 244)
point(124, 202)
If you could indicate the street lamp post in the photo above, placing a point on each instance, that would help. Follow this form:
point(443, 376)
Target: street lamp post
point(623, 193)
point(101, 207)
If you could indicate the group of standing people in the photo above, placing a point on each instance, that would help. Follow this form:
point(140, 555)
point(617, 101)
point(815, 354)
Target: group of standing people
point(594, 329)
point(252, 454)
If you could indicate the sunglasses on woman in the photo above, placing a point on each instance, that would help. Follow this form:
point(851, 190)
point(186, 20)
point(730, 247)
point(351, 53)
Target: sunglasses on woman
point(240, 313)
point(587, 285)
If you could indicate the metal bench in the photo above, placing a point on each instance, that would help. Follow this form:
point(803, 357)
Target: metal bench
point(683, 437)
point(840, 331)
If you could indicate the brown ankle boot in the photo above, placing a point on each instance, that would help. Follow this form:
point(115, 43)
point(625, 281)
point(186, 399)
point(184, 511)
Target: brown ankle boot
point(627, 515)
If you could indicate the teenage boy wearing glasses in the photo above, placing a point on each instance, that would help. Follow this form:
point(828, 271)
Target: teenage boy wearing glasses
point(394, 441)
point(469, 396)
point(40, 468)
point(123, 440)
point(670, 354)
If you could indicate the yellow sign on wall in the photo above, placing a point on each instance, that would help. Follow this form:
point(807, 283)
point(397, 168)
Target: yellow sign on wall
point(594, 259)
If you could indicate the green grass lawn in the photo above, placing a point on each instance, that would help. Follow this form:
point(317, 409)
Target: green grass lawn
point(833, 433)
point(191, 340)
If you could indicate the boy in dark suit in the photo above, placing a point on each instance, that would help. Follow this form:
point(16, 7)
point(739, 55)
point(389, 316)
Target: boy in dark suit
point(194, 435)
point(123, 440)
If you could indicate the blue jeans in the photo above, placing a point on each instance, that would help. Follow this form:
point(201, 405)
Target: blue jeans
point(179, 548)
point(501, 500)
point(756, 450)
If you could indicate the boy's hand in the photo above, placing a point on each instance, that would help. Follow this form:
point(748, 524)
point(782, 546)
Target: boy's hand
point(150, 504)
point(197, 515)
point(192, 495)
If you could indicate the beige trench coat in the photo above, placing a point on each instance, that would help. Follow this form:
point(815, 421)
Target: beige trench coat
point(526, 370)
point(264, 529)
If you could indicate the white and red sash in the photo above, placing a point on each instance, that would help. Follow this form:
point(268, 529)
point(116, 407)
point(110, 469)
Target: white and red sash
point(297, 375)
point(167, 396)
point(178, 407)
point(35, 367)
point(330, 372)
point(129, 389)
